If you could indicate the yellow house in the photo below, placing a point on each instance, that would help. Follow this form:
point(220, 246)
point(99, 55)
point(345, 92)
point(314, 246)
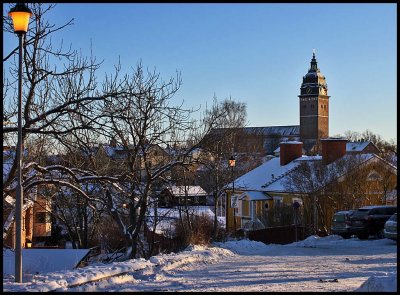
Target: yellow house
point(263, 197)
point(258, 193)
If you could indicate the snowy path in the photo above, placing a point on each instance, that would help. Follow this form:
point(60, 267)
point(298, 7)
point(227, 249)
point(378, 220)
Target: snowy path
point(263, 268)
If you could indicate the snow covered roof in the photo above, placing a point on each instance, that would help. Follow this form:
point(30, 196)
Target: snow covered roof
point(166, 217)
point(356, 146)
point(262, 176)
point(11, 216)
point(278, 149)
point(122, 152)
point(191, 190)
point(118, 152)
point(279, 184)
point(10, 200)
point(271, 176)
point(291, 130)
point(8, 159)
point(174, 212)
point(273, 130)
point(392, 194)
point(109, 150)
point(255, 196)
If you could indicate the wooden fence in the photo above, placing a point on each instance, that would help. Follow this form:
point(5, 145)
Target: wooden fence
point(278, 235)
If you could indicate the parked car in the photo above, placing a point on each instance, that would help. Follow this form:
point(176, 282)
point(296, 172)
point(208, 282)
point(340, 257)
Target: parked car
point(370, 220)
point(340, 223)
point(390, 229)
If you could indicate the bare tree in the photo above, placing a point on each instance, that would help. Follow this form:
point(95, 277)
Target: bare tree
point(143, 122)
point(58, 84)
point(350, 182)
point(59, 95)
point(305, 181)
point(383, 145)
point(63, 102)
point(351, 135)
point(221, 144)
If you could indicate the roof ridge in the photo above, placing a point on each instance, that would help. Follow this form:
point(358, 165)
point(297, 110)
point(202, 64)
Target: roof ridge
point(283, 174)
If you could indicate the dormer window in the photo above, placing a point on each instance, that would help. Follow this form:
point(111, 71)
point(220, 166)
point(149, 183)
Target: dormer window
point(373, 176)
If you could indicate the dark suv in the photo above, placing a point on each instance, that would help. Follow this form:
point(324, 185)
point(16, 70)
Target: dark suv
point(370, 220)
point(340, 223)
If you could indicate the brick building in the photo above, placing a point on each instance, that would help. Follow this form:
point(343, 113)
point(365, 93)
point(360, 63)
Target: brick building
point(314, 120)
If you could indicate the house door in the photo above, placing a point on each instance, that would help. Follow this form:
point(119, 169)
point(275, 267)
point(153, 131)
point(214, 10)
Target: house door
point(245, 212)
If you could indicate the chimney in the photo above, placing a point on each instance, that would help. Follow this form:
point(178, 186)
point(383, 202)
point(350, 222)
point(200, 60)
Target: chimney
point(289, 151)
point(333, 149)
point(113, 142)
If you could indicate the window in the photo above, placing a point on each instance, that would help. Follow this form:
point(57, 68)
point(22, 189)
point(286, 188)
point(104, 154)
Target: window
point(276, 212)
point(298, 200)
point(373, 175)
point(42, 217)
point(278, 201)
point(377, 211)
point(238, 207)
point(390, 211)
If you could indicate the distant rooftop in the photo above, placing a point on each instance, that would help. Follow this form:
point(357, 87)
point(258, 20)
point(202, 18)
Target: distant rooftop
point(357, 146)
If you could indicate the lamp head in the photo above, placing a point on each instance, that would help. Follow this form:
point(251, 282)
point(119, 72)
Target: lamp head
point(20, 15)
point(232, 161)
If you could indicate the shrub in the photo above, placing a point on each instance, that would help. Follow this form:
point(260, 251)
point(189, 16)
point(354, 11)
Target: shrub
point(109, 237)
point(200, 231)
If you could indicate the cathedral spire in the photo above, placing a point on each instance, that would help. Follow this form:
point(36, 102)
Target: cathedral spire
point(314, 66)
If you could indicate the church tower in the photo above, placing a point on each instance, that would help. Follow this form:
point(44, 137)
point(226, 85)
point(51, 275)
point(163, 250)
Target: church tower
point(314, 107)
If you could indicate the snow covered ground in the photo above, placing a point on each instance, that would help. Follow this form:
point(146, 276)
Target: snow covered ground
point(315, 264)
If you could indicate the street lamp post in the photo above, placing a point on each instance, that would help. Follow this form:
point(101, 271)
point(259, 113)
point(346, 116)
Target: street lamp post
point(232, 163)
point(20, 15)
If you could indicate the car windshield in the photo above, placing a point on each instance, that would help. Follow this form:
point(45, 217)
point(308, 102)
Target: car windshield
point(393, 218)
point(360, 212)
point(338, 217)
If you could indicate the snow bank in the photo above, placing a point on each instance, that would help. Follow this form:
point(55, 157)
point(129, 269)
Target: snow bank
point(191, 255)
point(61, 280)
point(314, 241)
point(335, 241)
point(244, 247)
point(43, 260)
point(380, 284)
point(377, 272)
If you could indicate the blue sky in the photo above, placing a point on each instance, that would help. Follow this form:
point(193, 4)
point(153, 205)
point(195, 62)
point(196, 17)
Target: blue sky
point(253, 53)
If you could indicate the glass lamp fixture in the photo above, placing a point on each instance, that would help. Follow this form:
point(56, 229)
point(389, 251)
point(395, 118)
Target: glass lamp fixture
point(232, 161)
point(20, 15)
